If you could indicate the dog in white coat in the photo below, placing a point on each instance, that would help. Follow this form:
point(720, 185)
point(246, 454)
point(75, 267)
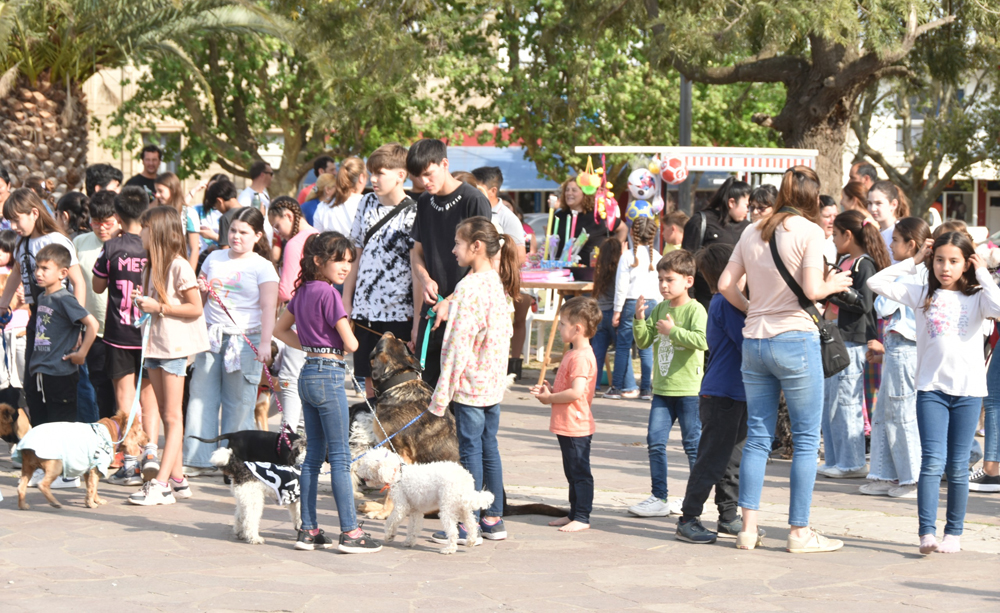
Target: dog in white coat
point(415, 489)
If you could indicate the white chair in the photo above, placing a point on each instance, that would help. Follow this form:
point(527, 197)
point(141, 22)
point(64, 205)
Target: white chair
point(546, 314)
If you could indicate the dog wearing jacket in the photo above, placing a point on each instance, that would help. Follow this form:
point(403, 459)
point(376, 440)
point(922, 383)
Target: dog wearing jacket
point(250, 493)
point(415, 489)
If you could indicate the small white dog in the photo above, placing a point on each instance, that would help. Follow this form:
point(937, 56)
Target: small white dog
point(250, 491)
point(415, 489)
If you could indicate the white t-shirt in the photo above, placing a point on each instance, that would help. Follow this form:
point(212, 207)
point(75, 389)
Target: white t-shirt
point(509, 222)
point(246, 199)
point(631, 282)
point(338, 218)
point(237, 281)
point(949, 332)
point(27, 259)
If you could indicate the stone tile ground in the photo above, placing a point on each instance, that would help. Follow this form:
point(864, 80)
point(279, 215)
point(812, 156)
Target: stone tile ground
point(183, 558)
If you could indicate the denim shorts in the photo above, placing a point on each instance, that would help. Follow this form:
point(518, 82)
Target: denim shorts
point(173, 366)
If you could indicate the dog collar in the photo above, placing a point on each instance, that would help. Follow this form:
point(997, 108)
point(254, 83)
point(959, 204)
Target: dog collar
point(399, 469)
point(395, 380)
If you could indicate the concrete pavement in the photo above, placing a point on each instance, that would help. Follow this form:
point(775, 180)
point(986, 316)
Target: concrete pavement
point(183, 557)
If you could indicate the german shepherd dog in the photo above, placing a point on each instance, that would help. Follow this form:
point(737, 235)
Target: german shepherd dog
point(402, 396)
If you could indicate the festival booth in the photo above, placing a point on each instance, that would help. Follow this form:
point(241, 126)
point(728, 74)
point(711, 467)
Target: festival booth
point(653, 170)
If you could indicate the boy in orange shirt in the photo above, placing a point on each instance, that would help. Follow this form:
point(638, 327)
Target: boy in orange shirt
point(570, 397)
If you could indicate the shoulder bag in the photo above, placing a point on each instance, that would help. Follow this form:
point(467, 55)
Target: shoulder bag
point(399, 208)
point(831, 343)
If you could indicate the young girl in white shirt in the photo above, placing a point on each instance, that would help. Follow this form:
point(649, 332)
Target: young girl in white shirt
point(636, 277)
point(227, 375)
point(951, 373)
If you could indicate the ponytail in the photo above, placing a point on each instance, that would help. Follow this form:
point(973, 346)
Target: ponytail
point(866, 235)
point(482, 229)
point(643, 231)
point(348, 176)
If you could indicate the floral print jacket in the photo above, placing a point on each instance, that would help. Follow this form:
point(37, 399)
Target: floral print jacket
point(476, 344)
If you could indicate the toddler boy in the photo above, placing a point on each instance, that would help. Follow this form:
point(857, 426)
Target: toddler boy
point(570, 397)
point(676, 329)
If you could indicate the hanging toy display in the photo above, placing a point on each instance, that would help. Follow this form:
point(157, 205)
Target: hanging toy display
point(642, 190)
point(673, 169)
point(605, 204)
point(588, 180)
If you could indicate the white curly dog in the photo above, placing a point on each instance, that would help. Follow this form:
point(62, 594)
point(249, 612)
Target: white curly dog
point(445, 487)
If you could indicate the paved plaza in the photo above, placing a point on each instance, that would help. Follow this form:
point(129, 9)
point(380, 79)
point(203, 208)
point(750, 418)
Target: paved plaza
point(183, 557)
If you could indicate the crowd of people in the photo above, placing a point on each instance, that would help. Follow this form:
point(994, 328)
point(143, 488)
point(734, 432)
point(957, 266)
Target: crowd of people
point(135, 289)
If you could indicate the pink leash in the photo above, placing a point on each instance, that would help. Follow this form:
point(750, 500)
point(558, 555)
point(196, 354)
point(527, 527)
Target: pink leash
point(285, 428)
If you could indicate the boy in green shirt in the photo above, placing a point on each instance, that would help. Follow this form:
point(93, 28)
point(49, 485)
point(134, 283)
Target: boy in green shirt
point(676, 330)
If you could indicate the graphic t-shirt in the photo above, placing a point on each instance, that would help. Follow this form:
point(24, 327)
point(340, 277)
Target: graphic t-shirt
point(679, 357)
point(434, 228)
point(384, 290)
point(26, 258)
point(57, 329)
point(575, 418)
point(317, 308)
point(237, 282)
point(121, 263)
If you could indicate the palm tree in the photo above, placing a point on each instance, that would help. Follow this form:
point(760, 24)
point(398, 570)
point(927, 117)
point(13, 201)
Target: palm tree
point(49, 48)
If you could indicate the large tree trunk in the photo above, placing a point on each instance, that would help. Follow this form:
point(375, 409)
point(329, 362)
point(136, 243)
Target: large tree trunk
point(828, 138)
point(44, 134)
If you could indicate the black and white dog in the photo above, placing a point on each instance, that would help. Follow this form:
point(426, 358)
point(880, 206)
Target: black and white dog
point(254, 482)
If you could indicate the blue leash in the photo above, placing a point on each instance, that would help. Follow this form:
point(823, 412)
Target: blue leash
point(412, 421)
point(142, 322)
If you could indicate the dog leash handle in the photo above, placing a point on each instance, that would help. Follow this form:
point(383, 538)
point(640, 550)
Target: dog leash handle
point(427, 334)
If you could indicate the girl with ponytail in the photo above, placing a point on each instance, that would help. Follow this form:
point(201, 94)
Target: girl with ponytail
point(338, 215)
point(863, 253)
point(474, 360)
point(636, 277)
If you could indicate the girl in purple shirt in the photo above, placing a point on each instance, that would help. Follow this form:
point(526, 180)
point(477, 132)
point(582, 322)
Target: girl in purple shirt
point(323, 331)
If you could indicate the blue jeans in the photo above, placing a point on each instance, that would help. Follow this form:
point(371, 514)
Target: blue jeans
point(947, 424)
point(211, 388)
point(895, 437)
point(478, 450)
point(328, 423)
point(789, 362)
point(843, 422)
point(991, 407)
point(663, 412)
point(623, 351)
point(602, 340)
point(86, 398)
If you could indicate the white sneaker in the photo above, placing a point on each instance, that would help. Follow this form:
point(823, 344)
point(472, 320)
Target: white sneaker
point(877, 488)
point(152, 493)
point(651, 507)
point(63, 482)
point(904, 491)
point(832, 472)
point(675, 505)
point(36, 477)
point(182, 489)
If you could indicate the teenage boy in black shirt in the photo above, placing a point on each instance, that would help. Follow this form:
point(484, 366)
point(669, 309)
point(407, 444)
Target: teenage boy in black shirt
point(445, 204)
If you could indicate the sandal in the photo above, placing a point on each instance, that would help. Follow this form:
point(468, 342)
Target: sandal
point(747, 540)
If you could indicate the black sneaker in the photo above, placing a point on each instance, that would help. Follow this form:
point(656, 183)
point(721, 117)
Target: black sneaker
point(733, 528)
point(693, 532)
point(979, 481)
point(362, 544)
point(308, 542)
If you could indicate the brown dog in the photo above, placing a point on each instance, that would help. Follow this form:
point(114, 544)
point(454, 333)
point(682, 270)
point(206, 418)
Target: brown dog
point(402, 396)
point(52, 439)
point(14, 424)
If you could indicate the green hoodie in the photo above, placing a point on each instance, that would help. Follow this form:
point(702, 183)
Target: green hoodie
point(678, 359)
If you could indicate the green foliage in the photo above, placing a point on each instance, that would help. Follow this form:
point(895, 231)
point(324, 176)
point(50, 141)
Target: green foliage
point(343, 85)
point(577, 73)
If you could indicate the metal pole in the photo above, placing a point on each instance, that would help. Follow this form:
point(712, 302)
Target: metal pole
point(684, 189)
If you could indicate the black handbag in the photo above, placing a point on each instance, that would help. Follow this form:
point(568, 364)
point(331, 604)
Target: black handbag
point(831, 343)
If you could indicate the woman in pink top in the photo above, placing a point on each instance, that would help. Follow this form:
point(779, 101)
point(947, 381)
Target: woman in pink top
point(290, 224)
point(781, 350)
point(474, 361)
